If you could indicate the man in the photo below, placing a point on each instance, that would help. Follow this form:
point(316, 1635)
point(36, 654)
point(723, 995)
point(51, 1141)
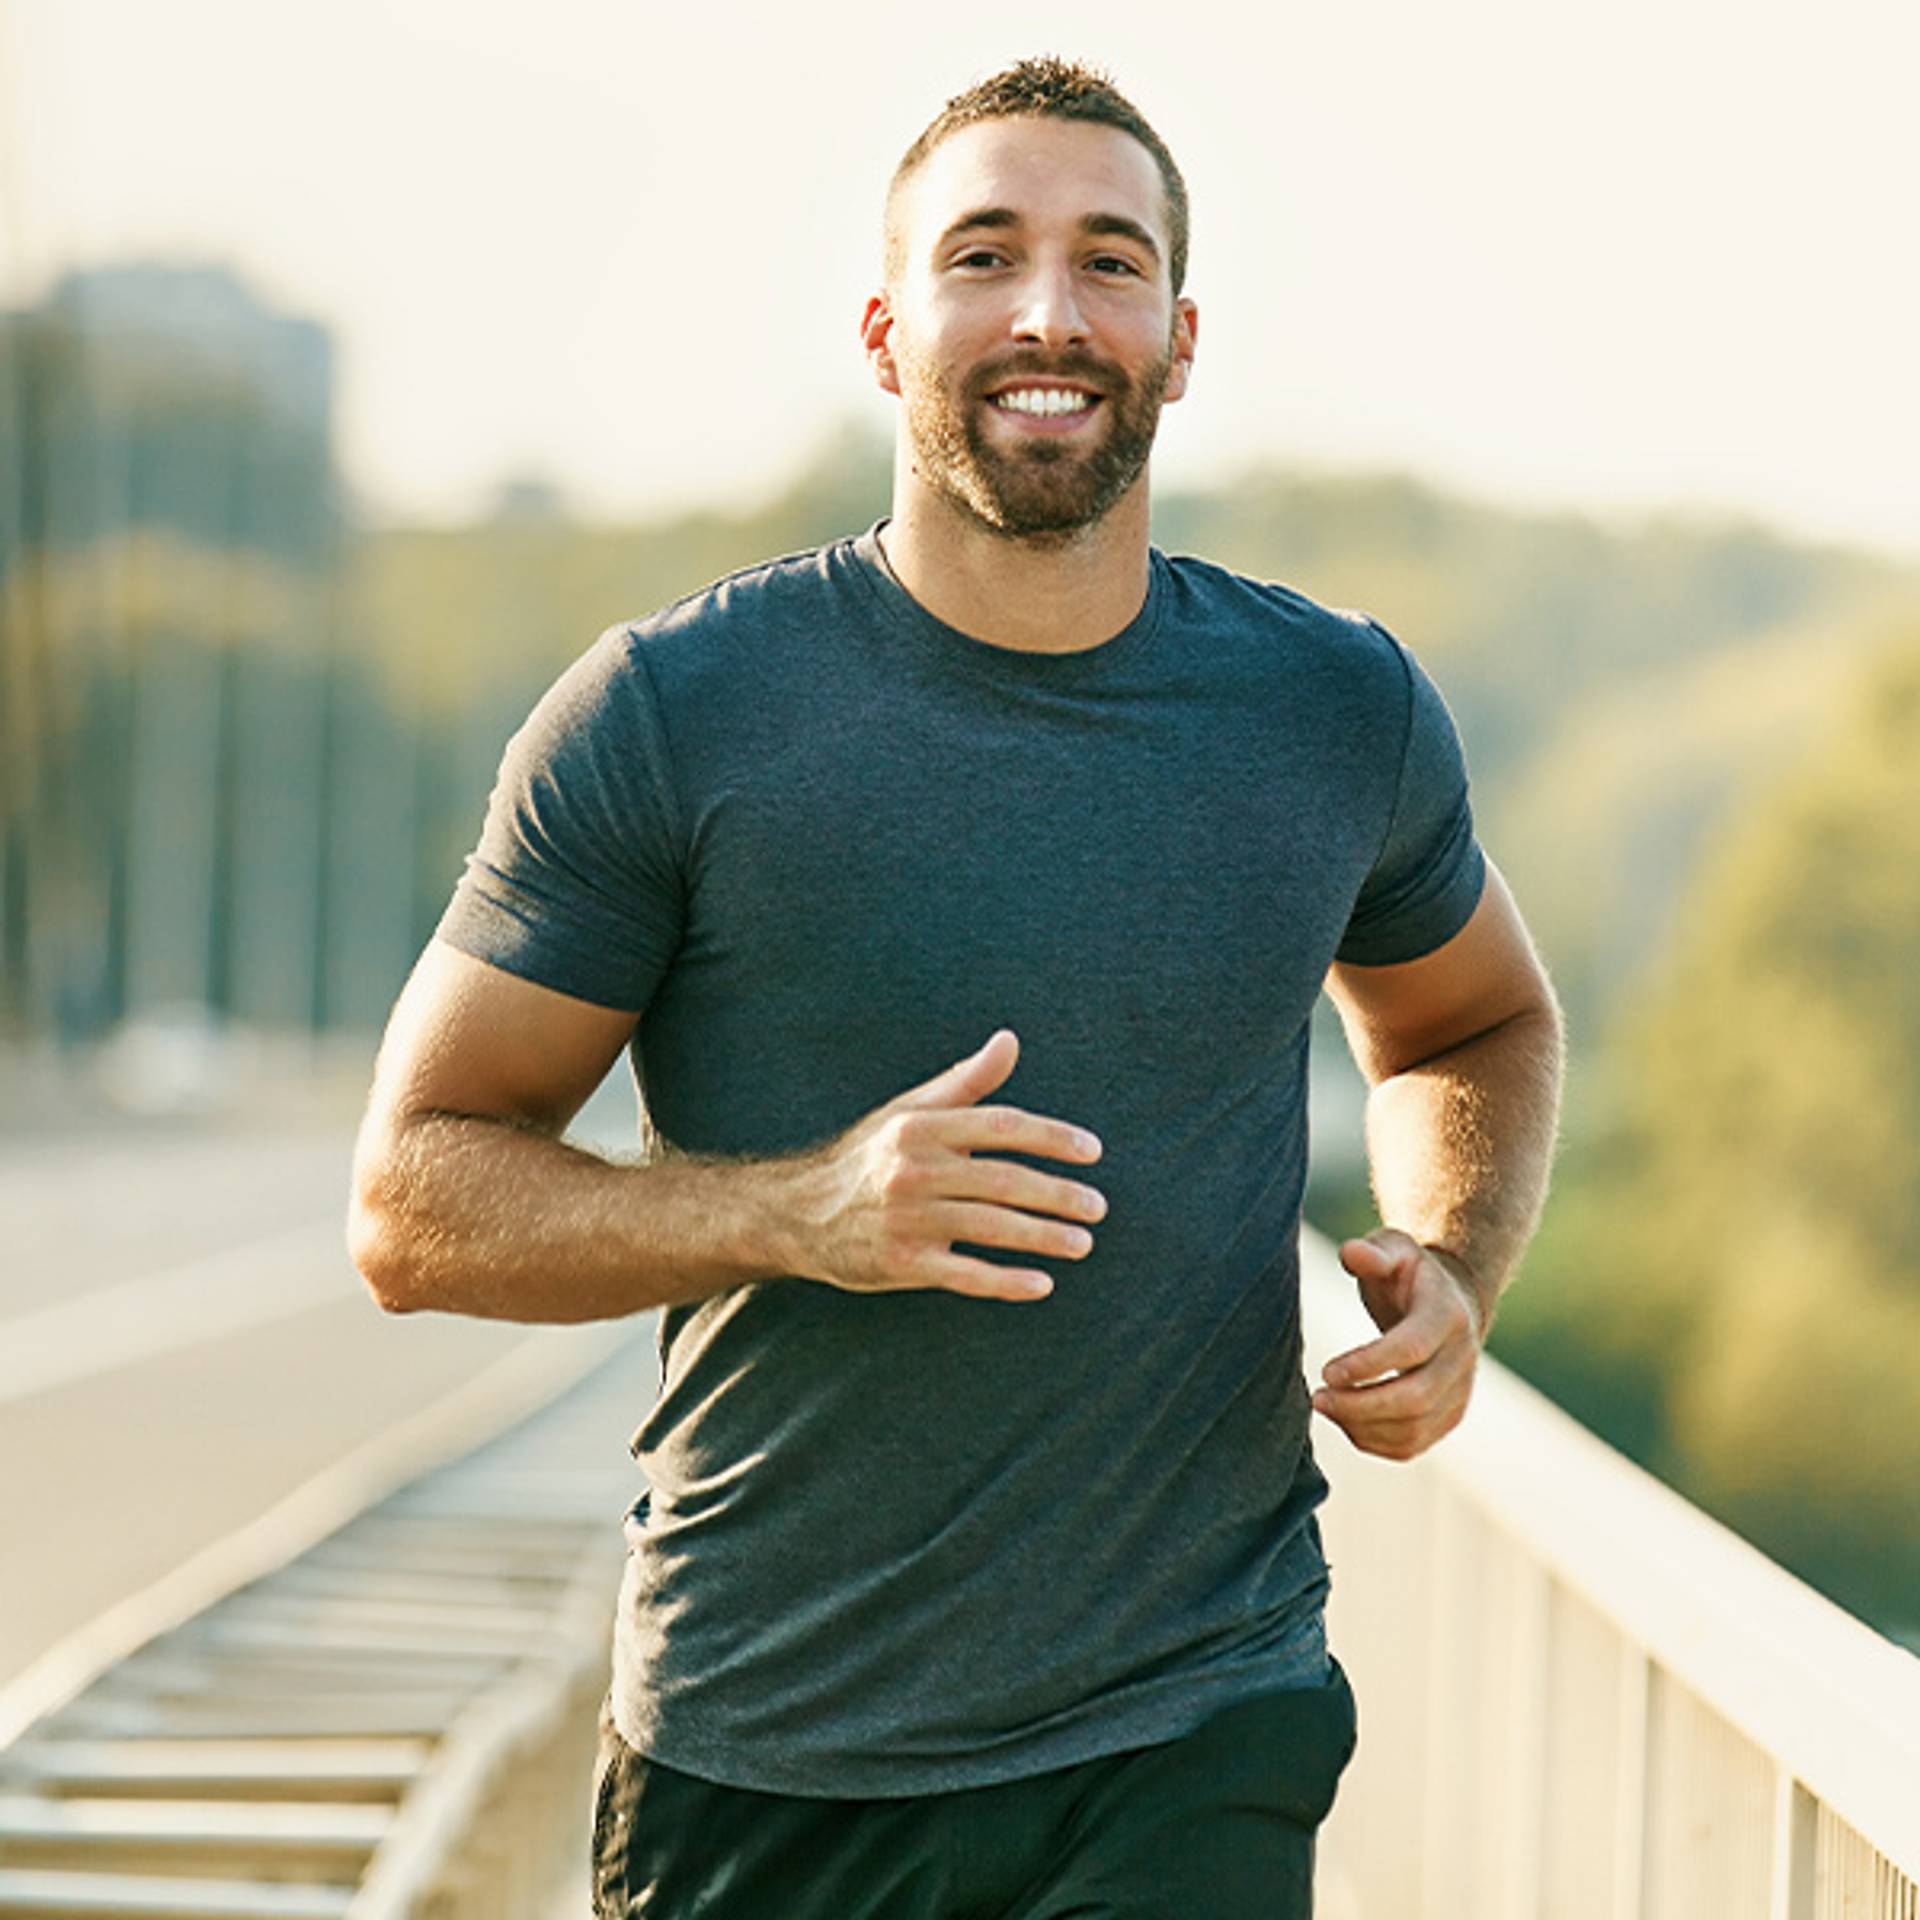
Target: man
point(964, 891)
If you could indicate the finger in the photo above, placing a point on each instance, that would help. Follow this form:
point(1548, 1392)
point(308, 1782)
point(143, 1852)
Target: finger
point(1393, 1438)
point(1412, 1344)
point(984, 1279)
point(1416, 1407)
point(1386, 1274)
point(1009, 1183)
point(968, 1080)
point(1380, 1255)
point(1005, 1227)
point(976, 1129)
point(1398, 1443)
point(1415, 1396)
point(1405, 1346)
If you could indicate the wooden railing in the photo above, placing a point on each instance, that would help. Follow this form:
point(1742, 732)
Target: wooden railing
point(1582, 1699)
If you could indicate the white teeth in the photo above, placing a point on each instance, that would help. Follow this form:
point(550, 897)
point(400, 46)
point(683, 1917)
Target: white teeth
point(1045, 400)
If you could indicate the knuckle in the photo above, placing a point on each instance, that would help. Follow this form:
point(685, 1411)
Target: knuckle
point(1001, 1179)
point(900, 1251)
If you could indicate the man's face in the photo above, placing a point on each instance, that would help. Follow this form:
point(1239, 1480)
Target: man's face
point(1030, 329)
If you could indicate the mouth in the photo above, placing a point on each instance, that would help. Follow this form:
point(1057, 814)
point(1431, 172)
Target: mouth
point(1038, 404)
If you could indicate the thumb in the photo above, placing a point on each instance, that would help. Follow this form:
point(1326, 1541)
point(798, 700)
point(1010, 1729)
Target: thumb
point(1380, 1254)
point(967, 1081)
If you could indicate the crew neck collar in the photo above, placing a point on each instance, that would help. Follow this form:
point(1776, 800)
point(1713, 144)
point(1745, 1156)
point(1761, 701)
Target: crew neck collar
point(873, 567)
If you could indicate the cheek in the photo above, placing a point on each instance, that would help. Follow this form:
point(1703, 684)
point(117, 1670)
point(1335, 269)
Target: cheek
point(931, 366)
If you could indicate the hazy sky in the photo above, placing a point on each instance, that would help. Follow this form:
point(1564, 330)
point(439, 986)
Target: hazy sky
point(1652, 252)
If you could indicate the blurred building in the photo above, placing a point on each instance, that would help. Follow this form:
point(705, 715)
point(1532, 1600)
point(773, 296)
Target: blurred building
point(171, 534)
point(172, 397)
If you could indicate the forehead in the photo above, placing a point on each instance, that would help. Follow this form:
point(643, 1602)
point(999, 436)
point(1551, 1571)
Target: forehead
point(1043, 170)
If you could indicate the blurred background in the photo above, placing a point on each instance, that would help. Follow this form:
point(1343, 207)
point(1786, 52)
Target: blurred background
point(358, 365)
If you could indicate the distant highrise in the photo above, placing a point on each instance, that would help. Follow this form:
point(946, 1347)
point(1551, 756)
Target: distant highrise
point(166, 454)
point(171, 395)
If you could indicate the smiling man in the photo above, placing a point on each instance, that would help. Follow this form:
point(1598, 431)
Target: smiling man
point(963, 891)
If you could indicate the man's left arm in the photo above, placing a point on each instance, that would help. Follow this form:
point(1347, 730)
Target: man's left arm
point(1462, 1051)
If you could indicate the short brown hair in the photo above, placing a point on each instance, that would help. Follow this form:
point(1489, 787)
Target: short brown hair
point(1047, 89)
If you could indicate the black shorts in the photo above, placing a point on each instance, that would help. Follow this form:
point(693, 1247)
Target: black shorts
point(1218, 1825)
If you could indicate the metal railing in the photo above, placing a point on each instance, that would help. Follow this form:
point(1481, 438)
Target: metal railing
point(1582, 1699)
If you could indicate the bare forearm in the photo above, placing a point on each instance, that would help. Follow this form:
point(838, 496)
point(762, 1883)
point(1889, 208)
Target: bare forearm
point(1460, 1146)
point(466, 1214)
point(475, 1214)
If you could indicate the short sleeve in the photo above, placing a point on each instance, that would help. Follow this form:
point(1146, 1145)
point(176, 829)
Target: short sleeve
point(576, 883)
point(1427, 878)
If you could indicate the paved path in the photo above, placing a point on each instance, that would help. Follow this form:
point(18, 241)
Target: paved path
point(182, 1343)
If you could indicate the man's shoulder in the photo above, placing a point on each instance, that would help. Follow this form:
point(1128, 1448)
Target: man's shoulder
point(693, 648)
point(1206, 591)
point(750, 600)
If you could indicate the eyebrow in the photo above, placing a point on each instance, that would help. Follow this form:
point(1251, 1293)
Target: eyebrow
point(990, 219)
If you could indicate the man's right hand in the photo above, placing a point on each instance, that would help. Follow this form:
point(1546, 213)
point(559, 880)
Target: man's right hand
point(881, 1206)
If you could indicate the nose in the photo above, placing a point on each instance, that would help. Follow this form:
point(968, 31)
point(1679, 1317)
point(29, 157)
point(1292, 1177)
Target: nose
point(1049, 312)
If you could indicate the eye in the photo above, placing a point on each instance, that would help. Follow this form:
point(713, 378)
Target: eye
point(978, 257)
point(1114, 265)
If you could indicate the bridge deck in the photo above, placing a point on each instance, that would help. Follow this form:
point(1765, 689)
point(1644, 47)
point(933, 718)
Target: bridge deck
point(305, 1743)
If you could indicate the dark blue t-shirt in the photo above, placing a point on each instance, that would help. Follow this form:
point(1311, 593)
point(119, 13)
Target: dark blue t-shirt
point(824, 845)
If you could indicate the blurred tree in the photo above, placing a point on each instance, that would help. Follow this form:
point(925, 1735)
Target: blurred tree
point(1731, 1282)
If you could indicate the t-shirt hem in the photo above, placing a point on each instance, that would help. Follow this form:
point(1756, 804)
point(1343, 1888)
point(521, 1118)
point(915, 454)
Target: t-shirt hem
point(893, 1777)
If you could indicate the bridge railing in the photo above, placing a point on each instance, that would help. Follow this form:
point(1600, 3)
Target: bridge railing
point(377, 1703)
point(1582, 1699)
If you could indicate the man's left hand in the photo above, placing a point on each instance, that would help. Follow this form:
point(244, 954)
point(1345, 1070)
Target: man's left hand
point(1397, 1395)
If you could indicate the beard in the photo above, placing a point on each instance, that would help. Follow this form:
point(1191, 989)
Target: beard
point(1046, 490)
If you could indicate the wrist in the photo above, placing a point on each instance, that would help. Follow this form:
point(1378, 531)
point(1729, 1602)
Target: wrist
point(791, 1204)
point(1480, 1293)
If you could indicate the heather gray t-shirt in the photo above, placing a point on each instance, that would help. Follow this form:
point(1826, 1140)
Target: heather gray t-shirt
point(824, 845)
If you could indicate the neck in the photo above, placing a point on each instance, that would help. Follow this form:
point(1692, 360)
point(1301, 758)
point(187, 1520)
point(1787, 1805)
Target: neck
point(1053, 597)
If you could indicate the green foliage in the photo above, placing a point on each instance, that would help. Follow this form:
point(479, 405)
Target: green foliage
point(1601, 829)
point(1778, 1059)
point(1732, 1279)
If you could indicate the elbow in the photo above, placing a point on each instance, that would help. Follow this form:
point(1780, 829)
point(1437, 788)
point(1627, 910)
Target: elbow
point(1550, 1028)
point(380, 1249)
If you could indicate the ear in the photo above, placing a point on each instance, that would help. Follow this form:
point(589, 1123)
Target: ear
point(1186, 326)
point(876, 336)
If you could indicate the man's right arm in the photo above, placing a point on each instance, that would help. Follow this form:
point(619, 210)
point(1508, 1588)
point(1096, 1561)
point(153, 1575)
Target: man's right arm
point(467, 1200)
